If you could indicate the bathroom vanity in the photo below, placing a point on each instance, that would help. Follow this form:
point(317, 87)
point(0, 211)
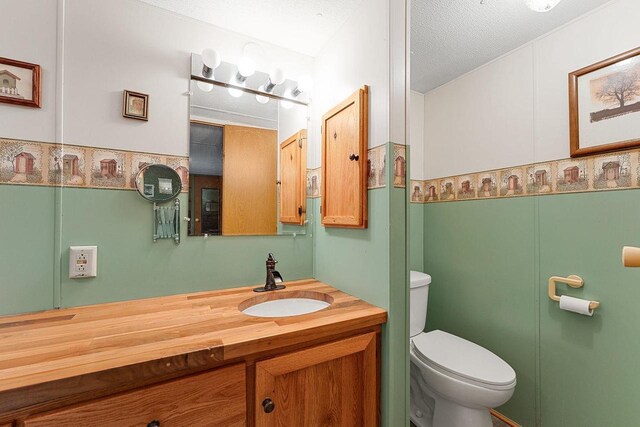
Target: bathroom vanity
point(194, 360)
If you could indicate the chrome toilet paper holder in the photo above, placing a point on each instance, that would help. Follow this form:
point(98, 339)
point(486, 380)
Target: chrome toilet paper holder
point(573, 281)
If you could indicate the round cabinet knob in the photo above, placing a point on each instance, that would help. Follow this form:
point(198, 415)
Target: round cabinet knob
point(354, 157)
point(268, 405)
point(154, 423)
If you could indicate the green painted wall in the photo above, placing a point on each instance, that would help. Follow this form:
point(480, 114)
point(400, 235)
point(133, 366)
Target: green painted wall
point(26, 248)
point(490, 261)
point(589, 372)
point(416, 236)
point(371, 264)
point(480, 255)
point(130, 265)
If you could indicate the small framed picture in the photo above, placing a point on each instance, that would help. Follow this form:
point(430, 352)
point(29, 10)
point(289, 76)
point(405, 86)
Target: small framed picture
point(135, 105)
point(149, 190)
point(20, 83)
point(604, 105)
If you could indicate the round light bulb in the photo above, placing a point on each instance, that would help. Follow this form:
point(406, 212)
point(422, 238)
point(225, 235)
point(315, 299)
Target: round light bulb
point(286, 104)
point(236, 93)
point(305, 84)
point(211, 58)
point(205, 87)
point(277, 76)
point(246, 67)
point(541, 5)
point(262, 99)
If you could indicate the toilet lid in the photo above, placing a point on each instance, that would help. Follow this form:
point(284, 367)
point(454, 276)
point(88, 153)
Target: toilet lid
point(462, 358)
point(418, 279)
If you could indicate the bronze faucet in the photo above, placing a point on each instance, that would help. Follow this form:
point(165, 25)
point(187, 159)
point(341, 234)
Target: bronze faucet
point(270, 283)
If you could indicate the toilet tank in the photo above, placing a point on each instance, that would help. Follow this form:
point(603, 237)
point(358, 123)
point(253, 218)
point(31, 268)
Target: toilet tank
point(418, 298)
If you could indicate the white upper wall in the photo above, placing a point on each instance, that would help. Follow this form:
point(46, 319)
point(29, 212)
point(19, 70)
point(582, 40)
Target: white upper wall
point(28, 33)
point(350, 60)
point(482, 120)
point(416, 135)
point(514, 110)
point(126, 44)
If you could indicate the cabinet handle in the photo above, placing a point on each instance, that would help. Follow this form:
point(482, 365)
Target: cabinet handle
point(154, 423)
point(268, 405)
point(354, 157)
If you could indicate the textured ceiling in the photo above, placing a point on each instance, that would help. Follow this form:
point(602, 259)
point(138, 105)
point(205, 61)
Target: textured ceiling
point(452, 37)
point(304, 26)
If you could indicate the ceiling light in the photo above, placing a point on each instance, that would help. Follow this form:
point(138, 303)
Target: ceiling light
point(541, 5)
point(276, 77)
point(246, 68)
point(205, 87)
point(210, 59)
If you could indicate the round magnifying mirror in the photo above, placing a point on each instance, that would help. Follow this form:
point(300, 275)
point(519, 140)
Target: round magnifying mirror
point(158, 183)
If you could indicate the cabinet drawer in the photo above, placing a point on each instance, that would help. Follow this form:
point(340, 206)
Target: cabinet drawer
point(215, 398)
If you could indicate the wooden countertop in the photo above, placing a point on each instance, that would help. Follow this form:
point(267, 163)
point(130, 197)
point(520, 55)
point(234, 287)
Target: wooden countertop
point(56, 345)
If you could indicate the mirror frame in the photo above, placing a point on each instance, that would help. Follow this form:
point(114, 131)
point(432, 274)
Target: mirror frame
point(176, 192)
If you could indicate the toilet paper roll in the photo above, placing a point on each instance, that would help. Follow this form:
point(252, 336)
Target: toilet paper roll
point(577, 305)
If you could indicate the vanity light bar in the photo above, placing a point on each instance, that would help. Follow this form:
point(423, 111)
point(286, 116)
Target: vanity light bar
point(247, 90)
point(202, 71)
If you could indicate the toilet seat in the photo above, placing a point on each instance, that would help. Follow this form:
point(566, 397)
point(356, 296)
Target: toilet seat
point(463, 360)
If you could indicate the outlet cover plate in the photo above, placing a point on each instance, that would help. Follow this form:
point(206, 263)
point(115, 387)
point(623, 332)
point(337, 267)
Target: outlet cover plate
point(83, 262)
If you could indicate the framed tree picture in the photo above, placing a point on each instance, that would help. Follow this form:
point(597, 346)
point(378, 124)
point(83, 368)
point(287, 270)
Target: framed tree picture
point(604, 105)
point(20, 83)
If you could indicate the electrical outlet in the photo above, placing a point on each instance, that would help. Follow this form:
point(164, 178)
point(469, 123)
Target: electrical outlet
point(83, 261)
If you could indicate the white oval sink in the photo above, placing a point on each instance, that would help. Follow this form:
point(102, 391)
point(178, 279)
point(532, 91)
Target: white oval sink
point(285, 304)
point(286, 307)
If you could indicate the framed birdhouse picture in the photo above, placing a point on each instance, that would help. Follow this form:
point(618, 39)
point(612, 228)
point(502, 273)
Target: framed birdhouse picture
point(20, 83)
point(604, 105)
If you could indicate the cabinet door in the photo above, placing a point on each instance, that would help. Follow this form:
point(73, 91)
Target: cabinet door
point(334, 384)
point(249, 192)
point(293, 171)
point(215, 398)
point(344, 160)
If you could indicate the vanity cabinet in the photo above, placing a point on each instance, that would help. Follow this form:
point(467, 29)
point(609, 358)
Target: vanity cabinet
point(344, 162)
point(194, 360)
point(293, 176)
point(332, 384)
point(214, 398)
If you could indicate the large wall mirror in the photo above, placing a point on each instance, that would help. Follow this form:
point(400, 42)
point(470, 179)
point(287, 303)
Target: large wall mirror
point(247, 154)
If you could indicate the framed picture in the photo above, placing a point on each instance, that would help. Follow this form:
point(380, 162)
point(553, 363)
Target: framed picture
point(20, 83)
point(604, 105)
point(149, 190)
point(135, 105)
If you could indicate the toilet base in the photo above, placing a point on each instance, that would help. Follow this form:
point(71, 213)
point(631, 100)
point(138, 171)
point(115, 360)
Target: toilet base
point(450, 414)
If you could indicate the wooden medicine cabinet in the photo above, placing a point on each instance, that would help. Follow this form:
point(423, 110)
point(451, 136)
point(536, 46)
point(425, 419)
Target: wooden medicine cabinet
point(293, 175)
point(344, 160)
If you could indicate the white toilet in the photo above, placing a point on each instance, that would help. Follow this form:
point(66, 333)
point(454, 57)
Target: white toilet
point(454, 382)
